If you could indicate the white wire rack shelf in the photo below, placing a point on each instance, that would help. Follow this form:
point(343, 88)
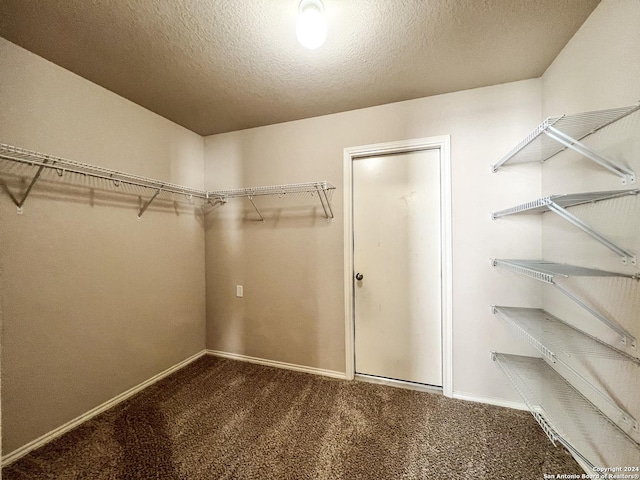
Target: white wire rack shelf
point(323, 190)
point(560, 342)
point(155, 187)
point(566, 416)
point(558, 204)
point(547, 271)
point(64, 166)
point(556, 134)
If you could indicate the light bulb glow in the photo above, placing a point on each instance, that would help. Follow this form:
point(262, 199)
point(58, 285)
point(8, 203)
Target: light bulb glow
point(311, 28)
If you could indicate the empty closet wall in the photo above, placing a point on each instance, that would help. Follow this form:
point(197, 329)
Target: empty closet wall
point(292, 265)
point(93, 302)
point(598, 69)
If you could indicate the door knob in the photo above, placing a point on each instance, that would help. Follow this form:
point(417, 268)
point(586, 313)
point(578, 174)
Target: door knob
point(359, 276)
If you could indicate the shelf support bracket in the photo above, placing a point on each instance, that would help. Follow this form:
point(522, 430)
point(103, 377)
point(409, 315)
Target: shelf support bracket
point(627, 337)
point(625, 174)
point(148, 202)
point(575, 221)
point(20, 203)
point(326, 197)
point(250, 197)
point(323, 192)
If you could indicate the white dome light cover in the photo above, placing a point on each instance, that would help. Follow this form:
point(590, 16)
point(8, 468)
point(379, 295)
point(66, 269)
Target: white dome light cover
point(311, 27)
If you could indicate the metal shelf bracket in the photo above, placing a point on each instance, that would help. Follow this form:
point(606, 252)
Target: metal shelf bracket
point(250, 197)
point(625, 174)
point(20, 203)
point(625, 336)
point(322, 192)
point(625, 255)
point(148, 202)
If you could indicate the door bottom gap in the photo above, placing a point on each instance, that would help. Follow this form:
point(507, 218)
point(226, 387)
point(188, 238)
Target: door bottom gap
point(392, 382)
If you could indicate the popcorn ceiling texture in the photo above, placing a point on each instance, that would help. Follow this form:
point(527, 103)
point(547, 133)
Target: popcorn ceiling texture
point(218, 66)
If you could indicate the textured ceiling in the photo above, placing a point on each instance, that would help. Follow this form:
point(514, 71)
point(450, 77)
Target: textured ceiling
point(220, 65)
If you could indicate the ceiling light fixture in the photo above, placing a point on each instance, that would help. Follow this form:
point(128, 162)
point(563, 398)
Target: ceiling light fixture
point(311, 28)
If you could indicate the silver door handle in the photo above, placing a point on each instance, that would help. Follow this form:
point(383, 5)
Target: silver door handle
point(359, 276)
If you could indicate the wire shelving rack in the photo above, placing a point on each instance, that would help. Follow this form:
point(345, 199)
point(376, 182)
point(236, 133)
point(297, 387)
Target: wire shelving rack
point(560, 342)
point(323, 190)
point(566, 416)
point(558, 204)
point(114, 178)
point(547, 271)
point(556, 134)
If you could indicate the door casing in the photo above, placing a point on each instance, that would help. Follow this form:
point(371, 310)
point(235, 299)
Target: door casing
point(443, 144)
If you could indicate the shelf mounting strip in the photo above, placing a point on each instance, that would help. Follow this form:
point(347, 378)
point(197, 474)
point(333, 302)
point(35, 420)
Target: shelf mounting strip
point(557, 341)
point(558, 204)
point(566, 131)
point(546, 271)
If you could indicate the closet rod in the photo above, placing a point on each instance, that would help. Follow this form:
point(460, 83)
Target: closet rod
point(62, 166)
point(323, 190)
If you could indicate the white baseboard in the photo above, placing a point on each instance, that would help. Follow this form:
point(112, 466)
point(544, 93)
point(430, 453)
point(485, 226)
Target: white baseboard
point(277, 364)
point(490, 400)
point(40, 441)
point(47, 437)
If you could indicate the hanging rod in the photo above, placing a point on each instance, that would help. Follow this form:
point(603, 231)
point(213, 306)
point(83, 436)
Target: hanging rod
point(322, 189)
point(556, 134)
point(546, 271)
point(558, 203)
point(62, 166)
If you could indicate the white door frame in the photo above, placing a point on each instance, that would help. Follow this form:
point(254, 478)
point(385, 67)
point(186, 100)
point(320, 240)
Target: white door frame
point(443, 144)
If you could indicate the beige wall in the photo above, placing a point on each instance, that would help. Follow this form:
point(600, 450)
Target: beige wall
point(93, 302)
point(598, 69)
point(292, 266)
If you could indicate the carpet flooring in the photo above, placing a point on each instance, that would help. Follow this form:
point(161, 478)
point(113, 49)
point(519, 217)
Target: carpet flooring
point(223, 419)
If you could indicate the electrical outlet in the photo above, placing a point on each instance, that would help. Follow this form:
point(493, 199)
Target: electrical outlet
point(239, 291)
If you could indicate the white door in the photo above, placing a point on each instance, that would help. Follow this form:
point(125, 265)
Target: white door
point(397, 262)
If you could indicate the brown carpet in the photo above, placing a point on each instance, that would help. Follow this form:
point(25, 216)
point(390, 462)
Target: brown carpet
point(221, 419)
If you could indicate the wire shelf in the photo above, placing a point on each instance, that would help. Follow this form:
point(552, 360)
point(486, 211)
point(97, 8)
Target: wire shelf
point(567, 416)
point(323, 190)
point(558, 204)
point(159, 189)
point(561, 342)
point(62, 166)
point(542, 205)
point(557, 337)
point(547, 271)
point(292, 188)
point(555, 134)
